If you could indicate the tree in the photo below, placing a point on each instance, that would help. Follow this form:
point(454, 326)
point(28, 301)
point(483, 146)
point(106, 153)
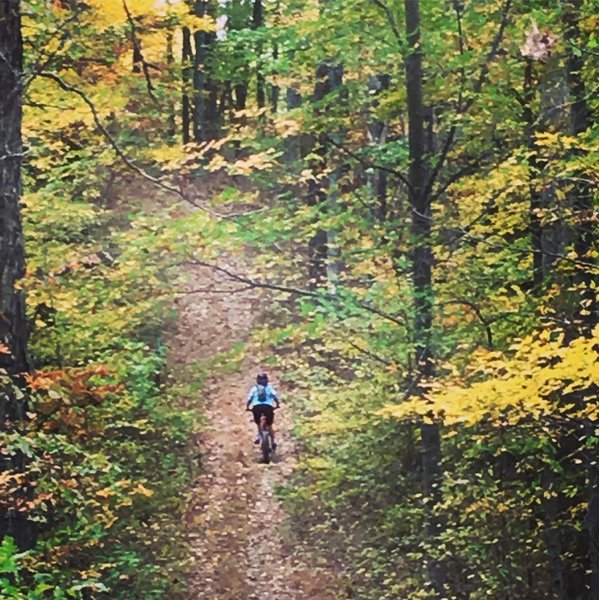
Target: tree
point(13, 322)
point(205, 108)
point(586, 312)
point(419, 176)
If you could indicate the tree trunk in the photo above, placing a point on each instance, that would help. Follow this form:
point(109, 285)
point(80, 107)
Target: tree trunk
point(241, 95)
point(239, 14)
point(544, 87)
point(328, 77)
point(534, 167)
point(13, 323)
point(225, 104)
point(13, 327)
point(317, 245)
point(257, 23)
point(377, 130)
point(275, 90)
point(187, 58)
point(294, 147)
point(137, 58)
point(584, 240)
point(205, 109)
point(582, 191)
point(418, 177)
point(170, 61)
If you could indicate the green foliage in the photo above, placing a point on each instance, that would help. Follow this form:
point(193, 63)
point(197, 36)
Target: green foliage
point(103, 415)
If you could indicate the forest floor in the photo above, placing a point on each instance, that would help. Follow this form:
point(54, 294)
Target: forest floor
point(240, 535)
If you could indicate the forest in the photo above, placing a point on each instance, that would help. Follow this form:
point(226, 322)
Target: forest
point(388, 207)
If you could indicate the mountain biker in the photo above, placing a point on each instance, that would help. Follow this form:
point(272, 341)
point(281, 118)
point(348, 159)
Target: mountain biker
point(262, 400)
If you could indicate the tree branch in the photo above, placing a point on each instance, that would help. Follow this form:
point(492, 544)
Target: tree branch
point(505, 17)
point(128, 162)
point(476, 309)
point(367, 352)
point(215, 291)
point(330, 297)
point(476, 89)
point(137, 52)
point(370, 164)
point(390, 18)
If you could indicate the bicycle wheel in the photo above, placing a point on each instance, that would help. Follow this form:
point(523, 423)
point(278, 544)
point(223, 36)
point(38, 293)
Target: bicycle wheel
point(265, 446)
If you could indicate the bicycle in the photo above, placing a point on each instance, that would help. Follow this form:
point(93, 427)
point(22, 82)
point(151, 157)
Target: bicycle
point(264, 435)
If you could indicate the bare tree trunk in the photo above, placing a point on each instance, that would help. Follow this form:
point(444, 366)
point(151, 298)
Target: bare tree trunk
point(187, 58)
point(13, 323)
point(418, 177)
point(534, 166)
point(377, 130)
point(170, 61)
point(239, 18)
point(225, 104)
point(317, 245)
point(257, 23)
point(205, 109)
point(544, 88)
point(137, 58)
point(275, 90)
point(293, 147)
point(13, 328)
point(328, 77)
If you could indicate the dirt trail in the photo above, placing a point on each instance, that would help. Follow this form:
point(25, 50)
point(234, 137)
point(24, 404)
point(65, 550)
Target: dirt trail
point(235, 556)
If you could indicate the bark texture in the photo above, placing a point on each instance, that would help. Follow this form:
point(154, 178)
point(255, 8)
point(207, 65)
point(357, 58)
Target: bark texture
point(205, 110)
point(187, 60)
point(13, 324)
point(328, 77)
point(257, 23)
point(422, 264)
point(13, 328)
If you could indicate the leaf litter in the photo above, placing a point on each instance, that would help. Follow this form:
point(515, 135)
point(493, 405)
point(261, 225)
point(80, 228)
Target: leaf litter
point(239, 534)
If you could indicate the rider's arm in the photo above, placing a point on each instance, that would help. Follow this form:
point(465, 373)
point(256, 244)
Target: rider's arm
point(250, 399)
point(275, 397)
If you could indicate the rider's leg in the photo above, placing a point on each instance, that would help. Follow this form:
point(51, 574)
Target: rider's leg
point(257, 416)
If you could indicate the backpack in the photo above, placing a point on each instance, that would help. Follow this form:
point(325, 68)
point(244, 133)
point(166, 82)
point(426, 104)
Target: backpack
point(261, 393)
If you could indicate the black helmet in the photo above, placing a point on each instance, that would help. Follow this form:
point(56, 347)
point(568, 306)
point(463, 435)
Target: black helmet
point(262, 378)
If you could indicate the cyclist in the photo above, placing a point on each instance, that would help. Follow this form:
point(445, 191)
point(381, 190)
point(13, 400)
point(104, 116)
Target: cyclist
point(262, 400)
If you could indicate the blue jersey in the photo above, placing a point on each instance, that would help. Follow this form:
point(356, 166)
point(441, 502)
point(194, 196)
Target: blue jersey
point(260, 394)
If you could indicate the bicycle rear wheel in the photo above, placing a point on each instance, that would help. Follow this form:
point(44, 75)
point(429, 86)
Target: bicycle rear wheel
point(265, 446)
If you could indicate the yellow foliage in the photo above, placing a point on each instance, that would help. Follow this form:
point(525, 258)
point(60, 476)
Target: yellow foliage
point(260, 161)
point(286, 127)
point(532, 383)
point(112, 12)
point(105, 493)
point(141, 489)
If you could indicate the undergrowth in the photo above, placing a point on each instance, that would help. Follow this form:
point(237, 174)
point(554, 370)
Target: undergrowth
point(107, 444)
